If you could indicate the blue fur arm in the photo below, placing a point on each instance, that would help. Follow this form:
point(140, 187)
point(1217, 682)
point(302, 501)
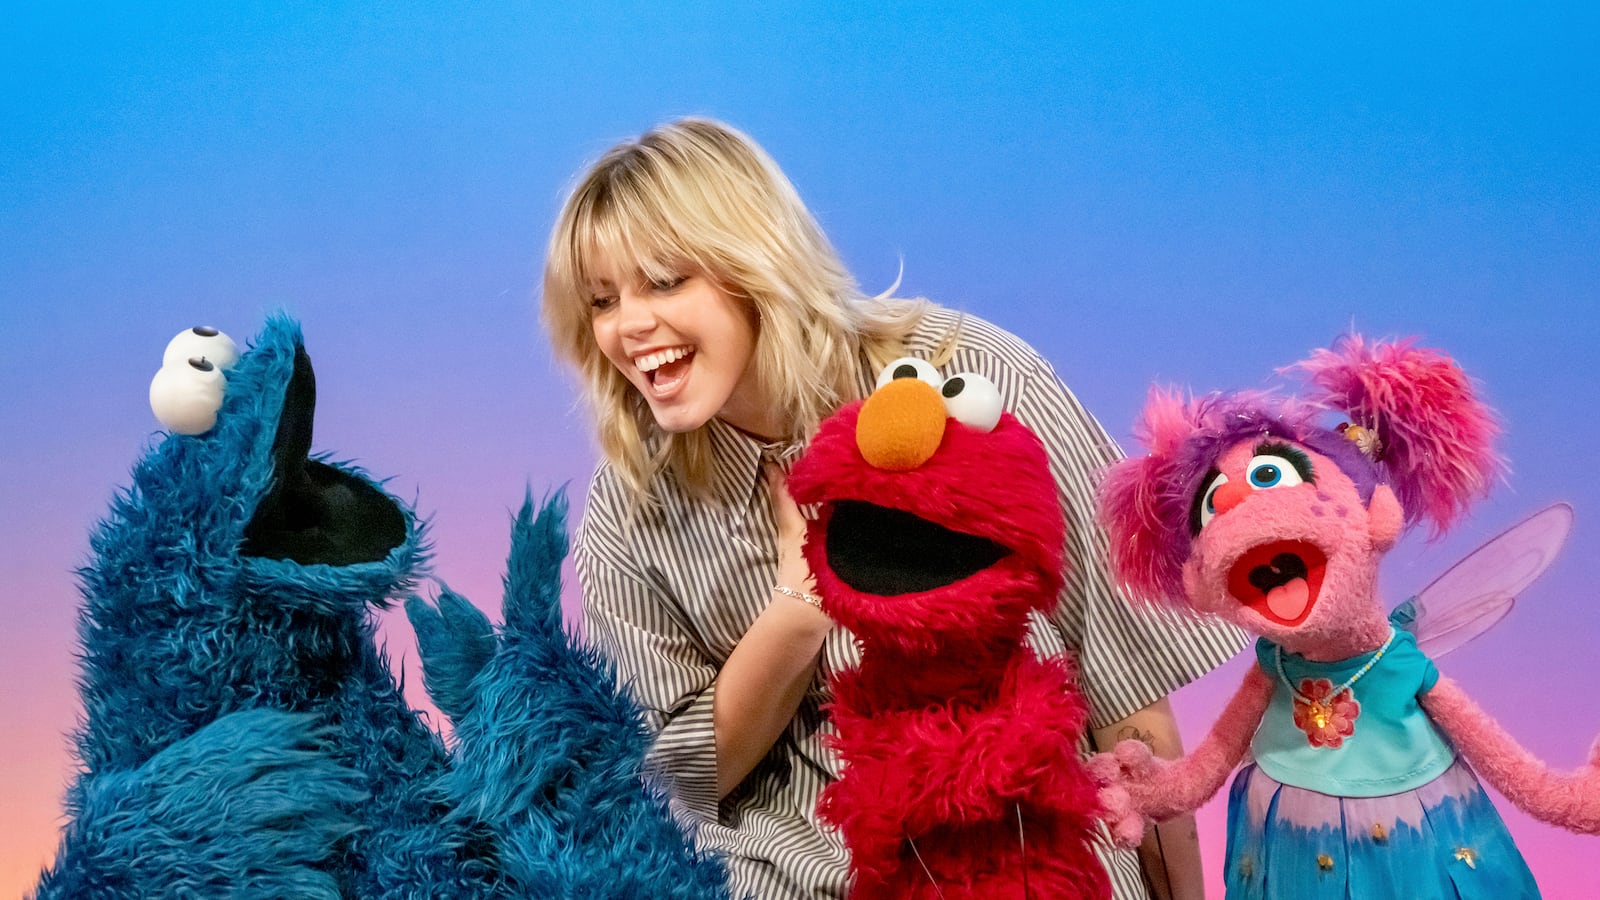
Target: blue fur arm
point(552, 752)
point(455, 642)
point(251, 806)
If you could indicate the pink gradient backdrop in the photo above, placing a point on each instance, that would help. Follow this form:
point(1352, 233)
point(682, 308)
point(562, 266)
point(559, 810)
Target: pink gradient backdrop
point(1147, 193)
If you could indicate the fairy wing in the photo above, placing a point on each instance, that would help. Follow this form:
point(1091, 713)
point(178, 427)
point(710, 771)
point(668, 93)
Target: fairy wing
point(1477, 592)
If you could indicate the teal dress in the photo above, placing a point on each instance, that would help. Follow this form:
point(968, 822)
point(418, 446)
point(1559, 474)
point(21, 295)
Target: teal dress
point(1356, 793)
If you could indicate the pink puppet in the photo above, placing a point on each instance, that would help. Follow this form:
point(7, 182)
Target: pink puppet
point(1361, 777)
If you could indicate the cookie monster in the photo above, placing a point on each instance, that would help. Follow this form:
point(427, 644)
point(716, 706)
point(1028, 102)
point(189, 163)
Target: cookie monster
point(242, 734)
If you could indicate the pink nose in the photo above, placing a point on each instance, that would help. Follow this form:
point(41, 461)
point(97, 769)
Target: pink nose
point(1229, 495)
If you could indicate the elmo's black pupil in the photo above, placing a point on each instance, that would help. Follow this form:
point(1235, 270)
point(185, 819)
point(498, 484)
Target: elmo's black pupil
point(906, 371)
point(953, 387)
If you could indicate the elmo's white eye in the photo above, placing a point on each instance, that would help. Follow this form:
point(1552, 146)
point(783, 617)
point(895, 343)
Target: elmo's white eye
point(972, 400)
point(1208, 500)
point(186, 396)
point(202, 342)
point(910, 367)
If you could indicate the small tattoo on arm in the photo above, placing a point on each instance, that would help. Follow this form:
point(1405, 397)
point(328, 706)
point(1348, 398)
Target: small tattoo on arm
point(1130, 733)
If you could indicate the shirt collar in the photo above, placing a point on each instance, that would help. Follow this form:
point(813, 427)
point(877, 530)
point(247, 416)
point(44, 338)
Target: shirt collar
point(736, 460)
point(736, 456)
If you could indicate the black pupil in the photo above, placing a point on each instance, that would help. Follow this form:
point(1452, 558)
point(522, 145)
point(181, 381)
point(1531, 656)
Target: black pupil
point(206, 331)
point(905, 371)
point(1266, 474)
point(954, 386)
point(201, 363)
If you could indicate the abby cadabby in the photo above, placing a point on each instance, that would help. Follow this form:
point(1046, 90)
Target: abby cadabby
point(1361, 761)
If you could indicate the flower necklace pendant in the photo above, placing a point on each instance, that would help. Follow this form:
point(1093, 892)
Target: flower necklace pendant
point(1326, 714)
point(1321, 713)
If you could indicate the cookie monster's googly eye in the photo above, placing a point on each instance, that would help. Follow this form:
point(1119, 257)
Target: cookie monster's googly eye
point(202, 342)
point(972, 400)
point(1208, 500)
point(186, 395)
point(1269, 471)
point(910, 367)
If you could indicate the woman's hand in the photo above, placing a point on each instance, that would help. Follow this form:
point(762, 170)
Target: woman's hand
point(793, 571)
point(767, 674)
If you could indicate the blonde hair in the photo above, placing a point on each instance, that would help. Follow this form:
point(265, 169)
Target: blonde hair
point(697, 192)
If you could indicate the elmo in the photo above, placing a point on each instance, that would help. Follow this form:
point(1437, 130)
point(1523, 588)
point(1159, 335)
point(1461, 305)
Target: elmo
point(938, 533)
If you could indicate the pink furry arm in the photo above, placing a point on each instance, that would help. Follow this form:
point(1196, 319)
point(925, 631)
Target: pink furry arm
point(1568, 799)
point(1136, 786)
point(1194, 779)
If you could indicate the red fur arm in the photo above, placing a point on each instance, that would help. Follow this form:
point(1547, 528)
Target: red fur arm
point(1137, 786)
point(1568, 799)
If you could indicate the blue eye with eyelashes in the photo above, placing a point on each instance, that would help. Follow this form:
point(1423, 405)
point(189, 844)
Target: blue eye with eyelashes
point(1278, 465)
point(1266, 474)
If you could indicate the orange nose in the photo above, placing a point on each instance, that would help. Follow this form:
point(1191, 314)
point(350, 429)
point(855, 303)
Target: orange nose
point(1229, 495)
point(901, 425)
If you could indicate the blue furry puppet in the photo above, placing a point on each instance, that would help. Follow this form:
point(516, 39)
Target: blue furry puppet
point(243, 736)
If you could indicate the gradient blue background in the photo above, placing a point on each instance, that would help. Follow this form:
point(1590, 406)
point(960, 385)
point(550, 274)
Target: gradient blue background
point(1183, 193)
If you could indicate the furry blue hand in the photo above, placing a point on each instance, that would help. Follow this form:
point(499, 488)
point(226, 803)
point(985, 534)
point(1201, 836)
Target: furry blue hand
point(548, 740)
point(455, 641)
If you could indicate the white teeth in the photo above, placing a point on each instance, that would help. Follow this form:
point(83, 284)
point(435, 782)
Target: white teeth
point(654, 361)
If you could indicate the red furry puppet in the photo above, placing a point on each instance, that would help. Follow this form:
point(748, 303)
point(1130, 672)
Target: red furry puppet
point(938, 533)
point(1361, 780)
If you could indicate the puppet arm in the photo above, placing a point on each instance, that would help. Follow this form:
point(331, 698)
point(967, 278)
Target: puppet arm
point(1137, 786)
point(1170, 854)
point(1568, 799)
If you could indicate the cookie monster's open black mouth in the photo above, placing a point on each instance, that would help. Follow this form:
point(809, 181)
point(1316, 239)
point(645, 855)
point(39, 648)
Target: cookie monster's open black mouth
point(316, 513)
point(887, 552)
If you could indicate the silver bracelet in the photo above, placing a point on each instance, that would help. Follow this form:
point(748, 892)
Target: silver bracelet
point(798, 595)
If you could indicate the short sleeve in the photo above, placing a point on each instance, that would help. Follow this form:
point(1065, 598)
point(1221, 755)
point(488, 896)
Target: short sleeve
point(1266, 652)
point(639, 628)
point(1416, 663)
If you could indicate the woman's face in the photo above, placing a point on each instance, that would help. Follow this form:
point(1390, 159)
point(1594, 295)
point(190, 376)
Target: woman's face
point(687, 346)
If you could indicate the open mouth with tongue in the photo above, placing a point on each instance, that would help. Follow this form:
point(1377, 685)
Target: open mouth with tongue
point(1280, 580)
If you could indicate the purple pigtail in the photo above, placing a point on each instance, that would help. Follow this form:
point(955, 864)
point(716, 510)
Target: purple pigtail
point(1137, 504)
point(1435, 438)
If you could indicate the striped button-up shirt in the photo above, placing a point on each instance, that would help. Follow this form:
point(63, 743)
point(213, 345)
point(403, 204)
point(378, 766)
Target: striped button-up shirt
point(669, 590)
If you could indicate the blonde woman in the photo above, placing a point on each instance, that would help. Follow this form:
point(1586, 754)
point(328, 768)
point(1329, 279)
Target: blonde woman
point(713, 327)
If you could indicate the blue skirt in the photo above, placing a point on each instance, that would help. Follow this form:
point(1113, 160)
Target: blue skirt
point(1441, 841)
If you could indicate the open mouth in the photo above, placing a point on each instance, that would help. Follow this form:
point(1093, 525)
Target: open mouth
point(1280, 580)
point(315, 513)
point(666, 368)
point(887, 552)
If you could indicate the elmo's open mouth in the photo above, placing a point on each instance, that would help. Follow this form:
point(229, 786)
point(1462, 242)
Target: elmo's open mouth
point(887, 552)
point(1280, 580)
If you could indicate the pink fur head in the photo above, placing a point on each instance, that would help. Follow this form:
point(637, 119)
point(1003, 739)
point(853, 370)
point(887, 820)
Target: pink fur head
point(1434, 450)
